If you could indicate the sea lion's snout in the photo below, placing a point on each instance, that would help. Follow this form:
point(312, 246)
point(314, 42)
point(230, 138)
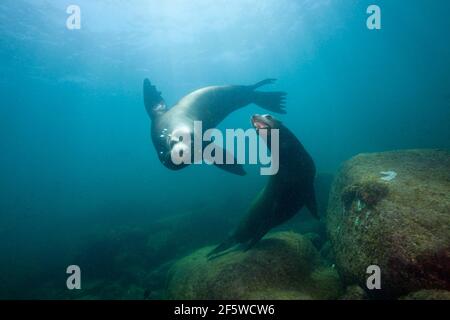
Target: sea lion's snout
point(167, 147)
point(180, 134)
point(178, 146)
point(265, 121)
point(167, 161)
point(258, 122)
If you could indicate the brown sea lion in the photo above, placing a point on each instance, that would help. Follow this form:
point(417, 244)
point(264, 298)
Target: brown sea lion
point(285, 192)
point(210, 105)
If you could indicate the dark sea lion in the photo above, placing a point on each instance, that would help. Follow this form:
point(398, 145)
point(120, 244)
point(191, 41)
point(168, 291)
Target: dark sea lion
point(284, 194)
point(210, 105)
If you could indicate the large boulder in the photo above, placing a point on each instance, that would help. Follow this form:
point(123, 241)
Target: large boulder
point(354, 292)
point(392, 209)
point(284, 265)
point(428, 295)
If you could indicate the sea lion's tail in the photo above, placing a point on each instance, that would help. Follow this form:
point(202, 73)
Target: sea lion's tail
point(263, 83)
point(272, 101)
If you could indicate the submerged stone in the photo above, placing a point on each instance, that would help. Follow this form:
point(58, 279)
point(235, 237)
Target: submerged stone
point(354, 292)
point(401, 225)
point(428, 295)
point(284, 265)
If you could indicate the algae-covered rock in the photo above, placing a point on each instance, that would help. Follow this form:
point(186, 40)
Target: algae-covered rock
point(354, 292)
point(392, 209)
point(428, 295)
point(327, 253)
point(283, 265)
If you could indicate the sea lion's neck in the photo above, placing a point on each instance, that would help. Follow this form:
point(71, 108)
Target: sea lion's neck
point(286, 141)
point(291, 156)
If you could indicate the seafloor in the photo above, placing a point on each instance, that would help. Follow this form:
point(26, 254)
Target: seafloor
point(389, 209)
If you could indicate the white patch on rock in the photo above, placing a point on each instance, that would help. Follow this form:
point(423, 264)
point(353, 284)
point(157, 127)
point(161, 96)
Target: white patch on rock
point(360, 205)
point(388, 175)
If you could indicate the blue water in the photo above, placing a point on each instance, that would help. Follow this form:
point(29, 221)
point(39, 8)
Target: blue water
point(76, 155)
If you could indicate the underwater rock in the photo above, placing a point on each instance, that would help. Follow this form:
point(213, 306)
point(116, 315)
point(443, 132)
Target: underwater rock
point(327, 253)
point(428, 295)
point(284, 265)
point(354, 292)
point(400, 224)
point(314, 238)
point(129, 257)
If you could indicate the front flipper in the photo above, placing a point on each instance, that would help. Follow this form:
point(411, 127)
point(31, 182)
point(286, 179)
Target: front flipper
point(214, 154)
point(237, 169)
point(153, 101)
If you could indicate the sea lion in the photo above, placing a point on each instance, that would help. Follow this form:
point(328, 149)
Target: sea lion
point(210, 105)
point(284, 194)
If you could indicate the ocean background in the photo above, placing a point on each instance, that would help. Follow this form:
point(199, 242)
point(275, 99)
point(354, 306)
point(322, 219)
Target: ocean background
point(80, 180)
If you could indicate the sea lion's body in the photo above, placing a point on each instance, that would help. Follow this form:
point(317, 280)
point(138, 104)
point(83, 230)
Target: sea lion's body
point(284, 195)
point(209, 105)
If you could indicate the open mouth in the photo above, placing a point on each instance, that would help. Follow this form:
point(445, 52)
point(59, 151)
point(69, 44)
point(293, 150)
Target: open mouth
point(259, 124)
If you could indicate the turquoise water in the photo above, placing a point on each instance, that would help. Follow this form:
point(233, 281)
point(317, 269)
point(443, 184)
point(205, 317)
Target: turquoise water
point(77, 164)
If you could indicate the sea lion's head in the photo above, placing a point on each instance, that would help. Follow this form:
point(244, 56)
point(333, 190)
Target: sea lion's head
point(265, 121)
point(175, 143)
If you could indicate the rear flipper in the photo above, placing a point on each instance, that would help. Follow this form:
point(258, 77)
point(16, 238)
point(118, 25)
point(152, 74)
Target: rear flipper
point(257, 236)
point(263, 83)
point(233, 168)
point(251, 244)
point(272, 101)
point(227, 244)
